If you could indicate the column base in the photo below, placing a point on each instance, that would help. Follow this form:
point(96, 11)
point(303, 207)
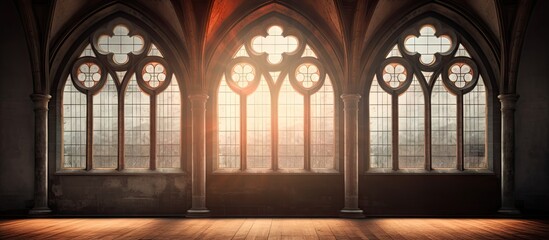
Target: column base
point(200, 213)
point(508, 211)
point(351, 213)
point(40, 211)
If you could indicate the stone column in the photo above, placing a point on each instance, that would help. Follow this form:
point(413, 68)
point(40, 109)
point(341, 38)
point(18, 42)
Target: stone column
point(40, 154)
point(198, 108)
point(508, 103)
point(350, 103)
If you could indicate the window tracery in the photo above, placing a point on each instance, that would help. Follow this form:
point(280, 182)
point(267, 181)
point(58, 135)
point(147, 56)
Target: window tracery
point(121, 104)
point(275, 105)
point(427, 104)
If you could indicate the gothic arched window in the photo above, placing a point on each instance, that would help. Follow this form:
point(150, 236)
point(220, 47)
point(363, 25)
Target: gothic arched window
point(121, 104)
point(428, 104)
point(275, 105)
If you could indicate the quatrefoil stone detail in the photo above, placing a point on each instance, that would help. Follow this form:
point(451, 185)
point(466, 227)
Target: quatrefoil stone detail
point(427, 44)
point(120, 44)
point(89, 74)
point(274, 44)
point(394, 75)
point(460, 74)
point(307, 75)
point(243, 74)
point(154, 74)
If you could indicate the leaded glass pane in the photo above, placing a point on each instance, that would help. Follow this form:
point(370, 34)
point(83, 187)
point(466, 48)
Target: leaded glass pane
point(168, 127)
point(443, 127)
point(291, 137)
point(380, 127)
point(322, 127)
point(259, 127)
point(411, 127)
point(136, 126)
point(74, 127)
point(228, 106)
point(105, 126)
point(474, 124)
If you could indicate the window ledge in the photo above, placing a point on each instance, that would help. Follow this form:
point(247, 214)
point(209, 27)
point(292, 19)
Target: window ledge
point(386, 171)
point(114, 172)
point(277, 172)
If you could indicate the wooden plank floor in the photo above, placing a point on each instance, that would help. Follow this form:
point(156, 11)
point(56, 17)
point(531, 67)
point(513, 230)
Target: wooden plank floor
point(273, 228)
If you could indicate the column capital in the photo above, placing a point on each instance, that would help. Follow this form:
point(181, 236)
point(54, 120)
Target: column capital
point(350, 101)
point(350, 97)
point(40, 101)
point(200, 97)
point(508, 101)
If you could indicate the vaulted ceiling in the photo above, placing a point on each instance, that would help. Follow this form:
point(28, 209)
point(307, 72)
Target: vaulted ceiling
point(217, 14)
point(349, 25)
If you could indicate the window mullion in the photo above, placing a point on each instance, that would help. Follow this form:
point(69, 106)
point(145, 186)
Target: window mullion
point(152, 132)
point(243, 132)
point(395, 130)
point(307, 132)
point(274, 130)
point(89, 131)
point(428, 133)
point(121, 129)
point(459, 132)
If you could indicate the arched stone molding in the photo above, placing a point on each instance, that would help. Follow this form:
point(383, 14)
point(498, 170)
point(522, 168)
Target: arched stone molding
point(475, 36)
point(73, 39)
point(219, 52)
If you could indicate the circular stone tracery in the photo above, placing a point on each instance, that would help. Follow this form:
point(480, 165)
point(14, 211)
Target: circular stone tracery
point(394, 75)
point(243, 74)
point(307, 74)
point(154, 74)
point(460, 74)
point(89, 74)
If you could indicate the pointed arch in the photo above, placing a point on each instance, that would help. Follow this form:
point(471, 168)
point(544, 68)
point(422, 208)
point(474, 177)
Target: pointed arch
point(225, 42)
point(70, 41)
point(424, 48)
point(271, 75)
point(135, 104)
point(476, 37)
